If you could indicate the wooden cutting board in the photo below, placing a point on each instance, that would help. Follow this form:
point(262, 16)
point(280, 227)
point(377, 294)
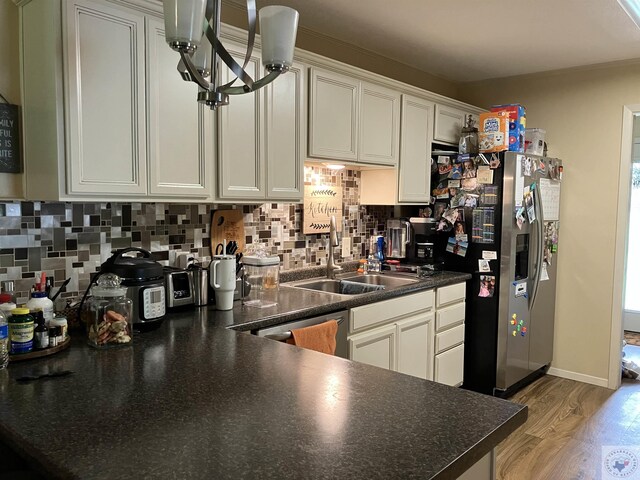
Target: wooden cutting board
point(227, 224)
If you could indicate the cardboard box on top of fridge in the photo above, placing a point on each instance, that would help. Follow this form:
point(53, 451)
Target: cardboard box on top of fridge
point(517, 124)
point(494, 132)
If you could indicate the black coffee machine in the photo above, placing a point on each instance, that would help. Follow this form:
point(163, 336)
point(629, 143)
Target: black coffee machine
point(421, 250)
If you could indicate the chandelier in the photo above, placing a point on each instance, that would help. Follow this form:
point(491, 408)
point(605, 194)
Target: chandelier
point(192, 29)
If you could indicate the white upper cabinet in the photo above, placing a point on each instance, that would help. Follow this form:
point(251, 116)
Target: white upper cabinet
point(181, 134)
point(262, 136)
point(414, 173)
point(351, 120)
point(114, 120)
point(333, 115)
point(106, 93)
point(286, 134)
point(449, 122)
point(241, 166)
point(379, 124)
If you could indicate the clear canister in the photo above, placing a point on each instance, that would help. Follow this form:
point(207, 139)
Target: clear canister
point(110, 313)
point(262, 274)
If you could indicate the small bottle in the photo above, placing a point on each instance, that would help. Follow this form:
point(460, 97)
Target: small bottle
point(8, 289)
point(21, 331)
point(53, 338)
point(4, 342)
point(40, 334)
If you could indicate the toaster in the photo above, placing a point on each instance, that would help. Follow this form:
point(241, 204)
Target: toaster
point(179, 290)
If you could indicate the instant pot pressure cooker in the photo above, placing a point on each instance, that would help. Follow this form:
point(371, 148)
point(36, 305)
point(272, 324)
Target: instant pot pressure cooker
point(144, 280)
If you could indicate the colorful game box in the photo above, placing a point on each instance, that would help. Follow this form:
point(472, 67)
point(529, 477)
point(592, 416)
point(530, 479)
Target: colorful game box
point(517, 124)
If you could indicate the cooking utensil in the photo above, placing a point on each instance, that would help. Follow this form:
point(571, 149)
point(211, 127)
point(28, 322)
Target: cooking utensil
point(61, 289)
point(219, 249)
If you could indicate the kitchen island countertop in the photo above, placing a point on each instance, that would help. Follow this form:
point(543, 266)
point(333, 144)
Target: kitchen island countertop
point(191, 400)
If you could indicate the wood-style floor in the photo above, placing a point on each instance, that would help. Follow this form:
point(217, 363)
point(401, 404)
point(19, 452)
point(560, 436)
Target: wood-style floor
point(568, 424)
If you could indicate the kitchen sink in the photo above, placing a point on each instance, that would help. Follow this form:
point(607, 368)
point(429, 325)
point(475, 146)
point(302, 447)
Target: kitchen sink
point(340, 287)
point(354, 284)
point(384, 280)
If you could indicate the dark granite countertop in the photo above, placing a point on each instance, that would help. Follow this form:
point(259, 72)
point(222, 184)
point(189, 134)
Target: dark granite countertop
point(190, 400)
point(296, 303)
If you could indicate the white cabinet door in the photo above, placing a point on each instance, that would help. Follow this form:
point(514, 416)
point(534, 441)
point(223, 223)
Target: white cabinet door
point(106, 93)
point(376, 347)
point(241, 166)
point(414, 175)
point(379, 125)
point(180, 129)
point(286, 135)
point(449, 366)
point(333, 115)
point(448, 124)
point(415, 348)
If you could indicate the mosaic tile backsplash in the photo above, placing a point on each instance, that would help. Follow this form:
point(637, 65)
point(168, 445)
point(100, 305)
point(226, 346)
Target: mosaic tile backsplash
point(73, 239)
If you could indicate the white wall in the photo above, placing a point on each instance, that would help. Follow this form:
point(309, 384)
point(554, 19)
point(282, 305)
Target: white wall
point(10, 184)
point(581, 111)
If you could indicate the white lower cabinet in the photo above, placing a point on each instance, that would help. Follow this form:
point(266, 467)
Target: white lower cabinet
point(404, 342)
point(449, 334)
point(449, 366)
point(376, 347)
point(415, 351)
point(411, 335)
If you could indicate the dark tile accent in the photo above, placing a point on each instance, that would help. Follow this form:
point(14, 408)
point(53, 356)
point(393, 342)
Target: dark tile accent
point(59, 242)
point(136, 236)
point(37, 222)
point(72, 244)
point(77, 264)
point(83, 255)
point(126, 215)
point(94, 220)
point(94, 249)
point(78, 215)
point(65, 224)
point(123, 242)
point(264, 234)
point(21, 253)
point(35, 257)
point(88, 238)
point(77, 230)
point(176, 239)
point(161, 255)
point(59, 275)
point(52, 209)
point(116, 221)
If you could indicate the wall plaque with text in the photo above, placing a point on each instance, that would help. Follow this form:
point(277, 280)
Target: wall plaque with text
point(9, 139)
point(320, 202)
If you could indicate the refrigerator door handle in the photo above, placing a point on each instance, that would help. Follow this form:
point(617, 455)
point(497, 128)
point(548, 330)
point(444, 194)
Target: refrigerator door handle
point(540, 247)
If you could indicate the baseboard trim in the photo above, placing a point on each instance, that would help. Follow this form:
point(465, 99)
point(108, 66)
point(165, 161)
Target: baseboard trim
point(580, 377)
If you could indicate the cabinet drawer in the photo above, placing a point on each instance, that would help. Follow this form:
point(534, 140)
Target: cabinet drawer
point(450, 294)
point(383, 312)
point(449, 338)
point(450, 316)
point(449, 366)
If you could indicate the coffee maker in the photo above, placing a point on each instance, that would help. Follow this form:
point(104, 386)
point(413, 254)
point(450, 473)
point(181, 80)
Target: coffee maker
point(420, 250)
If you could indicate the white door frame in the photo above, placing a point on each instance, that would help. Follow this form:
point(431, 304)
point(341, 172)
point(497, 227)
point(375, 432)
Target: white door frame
point(622, 233)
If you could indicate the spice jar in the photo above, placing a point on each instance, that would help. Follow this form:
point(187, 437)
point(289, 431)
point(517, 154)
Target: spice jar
point(110, 313)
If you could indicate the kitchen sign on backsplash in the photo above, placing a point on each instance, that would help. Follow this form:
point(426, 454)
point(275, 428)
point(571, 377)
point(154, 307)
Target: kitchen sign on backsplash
point(320, 203)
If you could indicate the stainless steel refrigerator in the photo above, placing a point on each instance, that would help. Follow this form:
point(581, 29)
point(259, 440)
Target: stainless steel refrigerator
point(512, 255)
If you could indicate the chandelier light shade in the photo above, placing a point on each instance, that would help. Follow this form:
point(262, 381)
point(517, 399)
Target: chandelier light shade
point(183, 20)
point(278, 27)
point(192, 28)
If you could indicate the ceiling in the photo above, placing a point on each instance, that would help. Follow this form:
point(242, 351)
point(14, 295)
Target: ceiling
point(469, 40)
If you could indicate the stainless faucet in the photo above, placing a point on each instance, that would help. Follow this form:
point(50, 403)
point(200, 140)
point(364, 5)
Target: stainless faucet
point(332, 268)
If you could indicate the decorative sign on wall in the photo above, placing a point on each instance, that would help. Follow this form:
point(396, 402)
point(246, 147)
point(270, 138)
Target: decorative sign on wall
point(9, 139)
point(320, 202)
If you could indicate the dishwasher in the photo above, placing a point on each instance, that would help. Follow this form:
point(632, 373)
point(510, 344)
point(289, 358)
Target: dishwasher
point(282, 332)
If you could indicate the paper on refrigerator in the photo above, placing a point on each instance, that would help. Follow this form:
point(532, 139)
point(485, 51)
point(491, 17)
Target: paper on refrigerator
point(519, 182)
